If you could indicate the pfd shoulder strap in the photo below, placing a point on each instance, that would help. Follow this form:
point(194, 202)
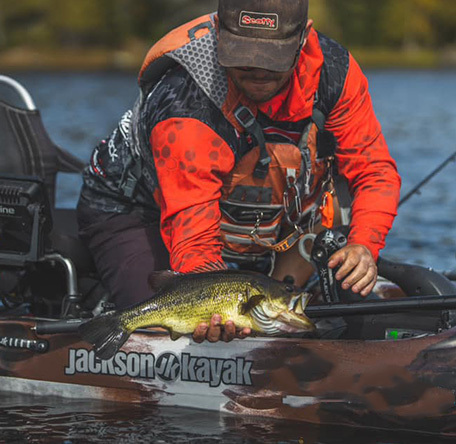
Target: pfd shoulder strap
point(326, 141)
point(332, 81)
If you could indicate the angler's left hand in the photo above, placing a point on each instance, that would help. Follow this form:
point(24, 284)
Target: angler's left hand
point(358, 269)
point(215, 332)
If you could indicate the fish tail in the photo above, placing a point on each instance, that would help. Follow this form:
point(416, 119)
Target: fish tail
point(106, 333)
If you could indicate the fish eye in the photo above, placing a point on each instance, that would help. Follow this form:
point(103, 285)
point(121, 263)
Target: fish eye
point(289, 284)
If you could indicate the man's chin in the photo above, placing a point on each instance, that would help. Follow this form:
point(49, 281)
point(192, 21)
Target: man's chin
point(260, 97)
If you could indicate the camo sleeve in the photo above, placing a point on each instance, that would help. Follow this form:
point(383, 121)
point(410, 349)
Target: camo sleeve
point(363, 158)
point(191, 160)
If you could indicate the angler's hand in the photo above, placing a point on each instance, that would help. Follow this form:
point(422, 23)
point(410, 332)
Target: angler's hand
point(216, 331)
point(358, 269)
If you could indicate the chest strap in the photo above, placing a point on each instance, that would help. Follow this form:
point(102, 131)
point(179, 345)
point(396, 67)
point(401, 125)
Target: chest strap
point(247, 120)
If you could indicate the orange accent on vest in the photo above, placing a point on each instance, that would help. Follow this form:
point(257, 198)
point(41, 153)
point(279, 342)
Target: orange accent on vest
point(327, 210)
point(175, 39)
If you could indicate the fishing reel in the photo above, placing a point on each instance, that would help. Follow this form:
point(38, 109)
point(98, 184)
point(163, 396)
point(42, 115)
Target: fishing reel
point(325, 244)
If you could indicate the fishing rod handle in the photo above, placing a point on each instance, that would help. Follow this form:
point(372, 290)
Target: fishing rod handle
point(56, 327)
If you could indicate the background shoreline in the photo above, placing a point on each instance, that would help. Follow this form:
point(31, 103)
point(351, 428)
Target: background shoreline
point(130, 59)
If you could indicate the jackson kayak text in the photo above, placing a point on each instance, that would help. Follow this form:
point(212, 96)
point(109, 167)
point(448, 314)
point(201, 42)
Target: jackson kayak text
point(167, 367)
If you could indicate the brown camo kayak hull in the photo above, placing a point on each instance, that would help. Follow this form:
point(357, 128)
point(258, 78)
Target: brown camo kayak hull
point(403, 385)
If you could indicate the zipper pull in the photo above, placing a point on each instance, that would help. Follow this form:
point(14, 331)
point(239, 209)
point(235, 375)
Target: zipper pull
point(327, 210)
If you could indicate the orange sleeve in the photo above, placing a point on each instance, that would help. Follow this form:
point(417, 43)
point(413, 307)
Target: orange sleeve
point(190, 160)
point(363, 158)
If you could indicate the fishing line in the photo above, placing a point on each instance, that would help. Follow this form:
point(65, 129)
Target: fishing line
point(417, 188)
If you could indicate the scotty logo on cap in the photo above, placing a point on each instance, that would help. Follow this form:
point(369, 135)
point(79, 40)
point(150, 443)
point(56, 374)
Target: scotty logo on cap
point(259, 20)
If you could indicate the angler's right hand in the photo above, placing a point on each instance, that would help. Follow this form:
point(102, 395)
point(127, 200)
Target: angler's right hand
point(358, 269)
point(216, 332)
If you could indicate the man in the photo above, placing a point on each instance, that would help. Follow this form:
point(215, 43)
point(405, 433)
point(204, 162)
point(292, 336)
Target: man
point(228, 157)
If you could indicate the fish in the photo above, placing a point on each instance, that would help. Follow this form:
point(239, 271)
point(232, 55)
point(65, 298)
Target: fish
point(183, 301)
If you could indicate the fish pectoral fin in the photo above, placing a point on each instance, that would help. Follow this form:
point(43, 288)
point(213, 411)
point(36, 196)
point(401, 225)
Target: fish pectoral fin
point(251, 303)
point(175, 335)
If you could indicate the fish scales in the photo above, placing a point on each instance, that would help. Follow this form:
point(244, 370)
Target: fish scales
point(187, 302)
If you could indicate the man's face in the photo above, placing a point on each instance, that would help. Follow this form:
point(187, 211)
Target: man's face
point(258, 84)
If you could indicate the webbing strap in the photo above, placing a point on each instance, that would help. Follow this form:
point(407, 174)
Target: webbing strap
point(131, 175)
point(318, 118)
point(326, 142)
point(326, 146)
point(247, 120)
point(344, 197)
point(279, 247)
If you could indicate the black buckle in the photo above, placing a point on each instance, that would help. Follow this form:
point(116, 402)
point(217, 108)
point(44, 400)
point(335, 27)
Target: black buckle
point(245, 117)
point(248, 121)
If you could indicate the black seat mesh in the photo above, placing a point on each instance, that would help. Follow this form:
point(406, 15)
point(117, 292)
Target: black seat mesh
point(26, 148)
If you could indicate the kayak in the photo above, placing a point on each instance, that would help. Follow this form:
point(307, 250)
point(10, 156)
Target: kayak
point(400, 384)
point(380, 364)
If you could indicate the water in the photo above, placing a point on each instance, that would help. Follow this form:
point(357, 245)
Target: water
point(418, 114)
point(25, 419)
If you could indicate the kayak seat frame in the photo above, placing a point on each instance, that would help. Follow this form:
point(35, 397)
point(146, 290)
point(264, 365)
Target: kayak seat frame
point(27, 151)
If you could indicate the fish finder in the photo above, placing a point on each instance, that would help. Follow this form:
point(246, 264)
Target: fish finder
point(25, 220)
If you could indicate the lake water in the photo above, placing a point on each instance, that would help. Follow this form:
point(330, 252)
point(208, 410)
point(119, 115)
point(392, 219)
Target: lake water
point(417, 110)
point(45, 420)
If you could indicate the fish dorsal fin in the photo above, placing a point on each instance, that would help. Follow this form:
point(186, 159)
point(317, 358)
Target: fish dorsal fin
point(158, 279)
point(251, 303)
point(213, 266)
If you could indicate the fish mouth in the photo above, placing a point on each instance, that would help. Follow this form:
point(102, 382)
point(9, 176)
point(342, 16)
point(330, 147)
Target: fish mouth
point(292, 320)
point(295, 319)
point(298, 303)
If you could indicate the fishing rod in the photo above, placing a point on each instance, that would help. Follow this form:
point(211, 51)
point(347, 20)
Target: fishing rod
point(417, 188)
point(366, 308)
point(363, 308)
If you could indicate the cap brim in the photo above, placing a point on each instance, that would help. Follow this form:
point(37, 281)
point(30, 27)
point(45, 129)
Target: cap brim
point(273, 55)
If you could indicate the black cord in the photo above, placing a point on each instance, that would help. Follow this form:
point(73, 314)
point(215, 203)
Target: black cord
point(416, 189)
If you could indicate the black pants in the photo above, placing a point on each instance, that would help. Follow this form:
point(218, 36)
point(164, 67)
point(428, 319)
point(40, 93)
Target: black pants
point(126, 248)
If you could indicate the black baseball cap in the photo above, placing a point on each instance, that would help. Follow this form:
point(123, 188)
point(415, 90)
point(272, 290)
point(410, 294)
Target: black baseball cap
point(261, 33)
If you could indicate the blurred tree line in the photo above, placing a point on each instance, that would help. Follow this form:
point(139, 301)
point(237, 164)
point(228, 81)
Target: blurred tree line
point(394, 23)
point(89, 23)
point(115, 23)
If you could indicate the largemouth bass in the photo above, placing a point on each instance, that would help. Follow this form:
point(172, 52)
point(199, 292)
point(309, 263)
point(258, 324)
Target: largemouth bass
point(182, 302)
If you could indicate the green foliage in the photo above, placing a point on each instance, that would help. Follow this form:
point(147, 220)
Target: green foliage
point(113, 23)
point(395, 23)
